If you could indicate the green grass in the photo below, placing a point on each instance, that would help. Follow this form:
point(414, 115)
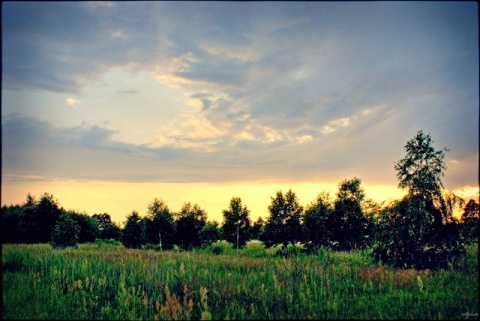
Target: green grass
point(107, 281)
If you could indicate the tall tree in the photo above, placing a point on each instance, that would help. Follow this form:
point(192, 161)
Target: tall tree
point(236, 223)
point(190, 221)
point(160, 225)
point(348, 224)
point(421, 172)
point(107, 228)
point(316, 222)
point(419, 231)
point(38, 219)
point(133, 233)
point(283, 224)
point(48, 212)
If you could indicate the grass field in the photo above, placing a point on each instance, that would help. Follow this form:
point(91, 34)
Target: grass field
point(100, 281)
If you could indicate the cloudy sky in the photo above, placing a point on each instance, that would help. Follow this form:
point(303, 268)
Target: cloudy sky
point(108, 105)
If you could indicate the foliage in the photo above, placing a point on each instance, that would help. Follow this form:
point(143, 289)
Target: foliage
point(66, 232)
point(422, 168)
point(38, 219)
point(419, 231)
point(10, 221)
point(133, 234)
point(317, 223)
point(219, 247)
point(407, 239)
point(283, 225)
point(88, 227)
point(236, 223)
point(257, 229)
point(210, 233)
point(160, 228)
point(107, 228)
point(349, 227)
point(469, 222)
point(190, 221)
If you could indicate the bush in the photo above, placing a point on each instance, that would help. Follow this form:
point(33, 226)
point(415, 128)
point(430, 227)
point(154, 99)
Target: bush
point(254, 249)
point(290, 250)
point(66, 232)
point(220, 247)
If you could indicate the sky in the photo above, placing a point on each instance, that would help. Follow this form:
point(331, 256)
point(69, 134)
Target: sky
point(109, 105)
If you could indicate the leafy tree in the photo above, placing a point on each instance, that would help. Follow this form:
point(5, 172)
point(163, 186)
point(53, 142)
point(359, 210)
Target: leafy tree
point(190, 221)
point(133, 233)
point(48, 212)
point(283, 224)
point(350, 228)
point(103, 220)
point(257, 228)
point(10, 222)
point(107, 228)
point(422, 168)
point(421, 172)
point(160, 225)
point(210, 233)
point(316, 222)
point(38, 219)
point(469, 221)
point(236, 223)
point(88, 227)
point(66, 232)
point(419, 231)
point(112, 232)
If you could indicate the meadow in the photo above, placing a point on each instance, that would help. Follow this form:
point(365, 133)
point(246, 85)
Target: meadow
point(107, 281)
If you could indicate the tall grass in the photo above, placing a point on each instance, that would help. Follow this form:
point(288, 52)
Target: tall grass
point(101, 281)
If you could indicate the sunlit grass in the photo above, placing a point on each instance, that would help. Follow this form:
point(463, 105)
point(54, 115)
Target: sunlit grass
point(102, 281)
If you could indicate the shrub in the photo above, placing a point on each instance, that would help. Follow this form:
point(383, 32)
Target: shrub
point(65, 233)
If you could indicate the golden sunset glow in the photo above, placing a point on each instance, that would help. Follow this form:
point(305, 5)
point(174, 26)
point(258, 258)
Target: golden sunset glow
point(119, 199)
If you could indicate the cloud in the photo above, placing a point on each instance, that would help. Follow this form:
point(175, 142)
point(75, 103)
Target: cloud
point(300, 91)
point(72, 102)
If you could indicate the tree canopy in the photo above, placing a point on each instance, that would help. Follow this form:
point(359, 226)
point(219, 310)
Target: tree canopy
point(236, 223)
point(190, 221)
point(160, 225)
point(283, 225)
point(418, 231)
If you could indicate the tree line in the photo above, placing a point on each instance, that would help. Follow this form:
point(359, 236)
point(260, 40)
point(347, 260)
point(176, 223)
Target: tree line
point(417, 231)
